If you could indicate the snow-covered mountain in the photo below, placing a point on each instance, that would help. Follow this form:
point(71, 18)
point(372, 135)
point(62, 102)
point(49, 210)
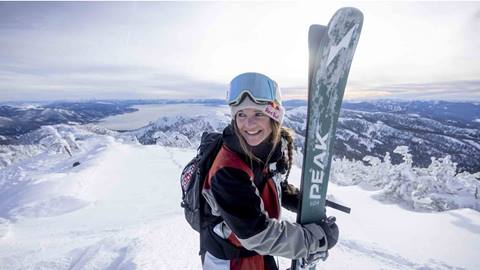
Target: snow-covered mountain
point(184, 129)
point(19, 119)
point(429, 129)
point(359, 133)
point(119, 207)
point(85, 197)
point(365, 133)
point(462, 114)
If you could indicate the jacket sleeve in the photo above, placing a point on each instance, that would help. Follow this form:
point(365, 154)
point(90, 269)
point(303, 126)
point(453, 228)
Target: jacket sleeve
point(237, 200)
point(290, 197)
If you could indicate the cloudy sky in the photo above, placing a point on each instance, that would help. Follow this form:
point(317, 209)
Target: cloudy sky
point(124, 50)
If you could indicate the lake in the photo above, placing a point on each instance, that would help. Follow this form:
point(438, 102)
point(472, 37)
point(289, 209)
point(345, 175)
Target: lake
point(152, 112)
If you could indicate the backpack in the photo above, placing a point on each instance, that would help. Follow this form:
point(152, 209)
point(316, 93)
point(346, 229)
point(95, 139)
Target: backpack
point(193, 177)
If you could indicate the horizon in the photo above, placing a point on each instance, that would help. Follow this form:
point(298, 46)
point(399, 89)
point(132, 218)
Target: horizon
point(177, 50)
point(215, 100)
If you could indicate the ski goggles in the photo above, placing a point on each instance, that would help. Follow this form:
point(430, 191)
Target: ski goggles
point(259, 87)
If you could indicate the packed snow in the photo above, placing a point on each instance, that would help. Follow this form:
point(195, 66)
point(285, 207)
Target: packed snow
point(120, 209)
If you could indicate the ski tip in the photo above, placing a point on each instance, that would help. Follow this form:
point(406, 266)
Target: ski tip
point(350, 10)
point(347, 16)
point(315, 35)
point(316, 31)
point(316, 27)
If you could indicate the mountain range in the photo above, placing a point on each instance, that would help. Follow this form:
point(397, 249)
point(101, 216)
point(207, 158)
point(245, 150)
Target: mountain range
point(369, 128)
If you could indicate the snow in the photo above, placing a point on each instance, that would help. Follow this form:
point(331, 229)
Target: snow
point(477, 120)
point(367, 142)
point(297, 110)
point(114, 210)
point(476, 144)
point(436, 188)
point(120, 209)
point(5, 121)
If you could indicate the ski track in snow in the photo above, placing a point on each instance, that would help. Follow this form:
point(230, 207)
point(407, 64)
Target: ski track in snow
point(130, 217)
point(171, 155)
point(394, 261)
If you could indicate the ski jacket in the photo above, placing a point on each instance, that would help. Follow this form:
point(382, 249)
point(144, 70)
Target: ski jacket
point(241, 227)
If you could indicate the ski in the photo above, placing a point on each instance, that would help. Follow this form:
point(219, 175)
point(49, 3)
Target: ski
point(331, 51)
point(315, 34)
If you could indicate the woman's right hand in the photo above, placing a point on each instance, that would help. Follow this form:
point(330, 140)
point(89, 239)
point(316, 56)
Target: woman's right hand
point(324, 235)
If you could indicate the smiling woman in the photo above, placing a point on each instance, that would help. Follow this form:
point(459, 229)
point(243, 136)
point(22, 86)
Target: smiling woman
point(240, 226)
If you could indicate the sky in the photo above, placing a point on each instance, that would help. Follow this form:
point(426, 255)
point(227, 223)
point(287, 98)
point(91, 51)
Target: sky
point(143, 50)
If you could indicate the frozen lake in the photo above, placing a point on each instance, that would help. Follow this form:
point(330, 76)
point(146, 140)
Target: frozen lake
point(152, 112)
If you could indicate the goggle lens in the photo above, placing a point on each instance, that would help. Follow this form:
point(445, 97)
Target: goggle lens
point(258, 86)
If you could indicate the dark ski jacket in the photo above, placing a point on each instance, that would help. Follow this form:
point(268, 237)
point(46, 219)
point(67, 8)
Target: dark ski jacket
point(241, 227)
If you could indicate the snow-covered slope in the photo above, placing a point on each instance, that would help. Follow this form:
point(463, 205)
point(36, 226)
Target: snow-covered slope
point(119, 209)
point(114, 211)
point(60, 139)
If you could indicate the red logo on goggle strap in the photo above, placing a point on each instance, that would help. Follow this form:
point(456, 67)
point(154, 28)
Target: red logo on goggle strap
point(272, 112)
point(273, 104)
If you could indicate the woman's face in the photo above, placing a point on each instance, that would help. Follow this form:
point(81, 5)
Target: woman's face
point(254, 126)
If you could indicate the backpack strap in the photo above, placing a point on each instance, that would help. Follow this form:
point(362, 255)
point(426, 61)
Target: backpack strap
point(210, 145)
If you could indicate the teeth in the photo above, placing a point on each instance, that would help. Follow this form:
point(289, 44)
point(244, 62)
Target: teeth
point(252, 133)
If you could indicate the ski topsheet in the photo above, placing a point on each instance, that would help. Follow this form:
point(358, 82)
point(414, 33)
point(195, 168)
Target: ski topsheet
point(331, 52)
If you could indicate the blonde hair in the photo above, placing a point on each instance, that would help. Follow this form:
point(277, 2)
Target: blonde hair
point(278, 132)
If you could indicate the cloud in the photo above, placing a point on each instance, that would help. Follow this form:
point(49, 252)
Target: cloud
point(446, 90)
point(294, 92)
point(101, 81)
point(449, 90)
point(177, 50)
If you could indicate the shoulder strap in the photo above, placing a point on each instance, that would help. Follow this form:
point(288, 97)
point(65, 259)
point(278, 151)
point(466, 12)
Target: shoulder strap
point(210, 145)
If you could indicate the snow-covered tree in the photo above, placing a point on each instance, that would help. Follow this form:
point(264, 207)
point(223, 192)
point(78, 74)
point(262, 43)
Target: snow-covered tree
point(436, 188)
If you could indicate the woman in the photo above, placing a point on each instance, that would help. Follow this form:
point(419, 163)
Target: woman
point(246, 187)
